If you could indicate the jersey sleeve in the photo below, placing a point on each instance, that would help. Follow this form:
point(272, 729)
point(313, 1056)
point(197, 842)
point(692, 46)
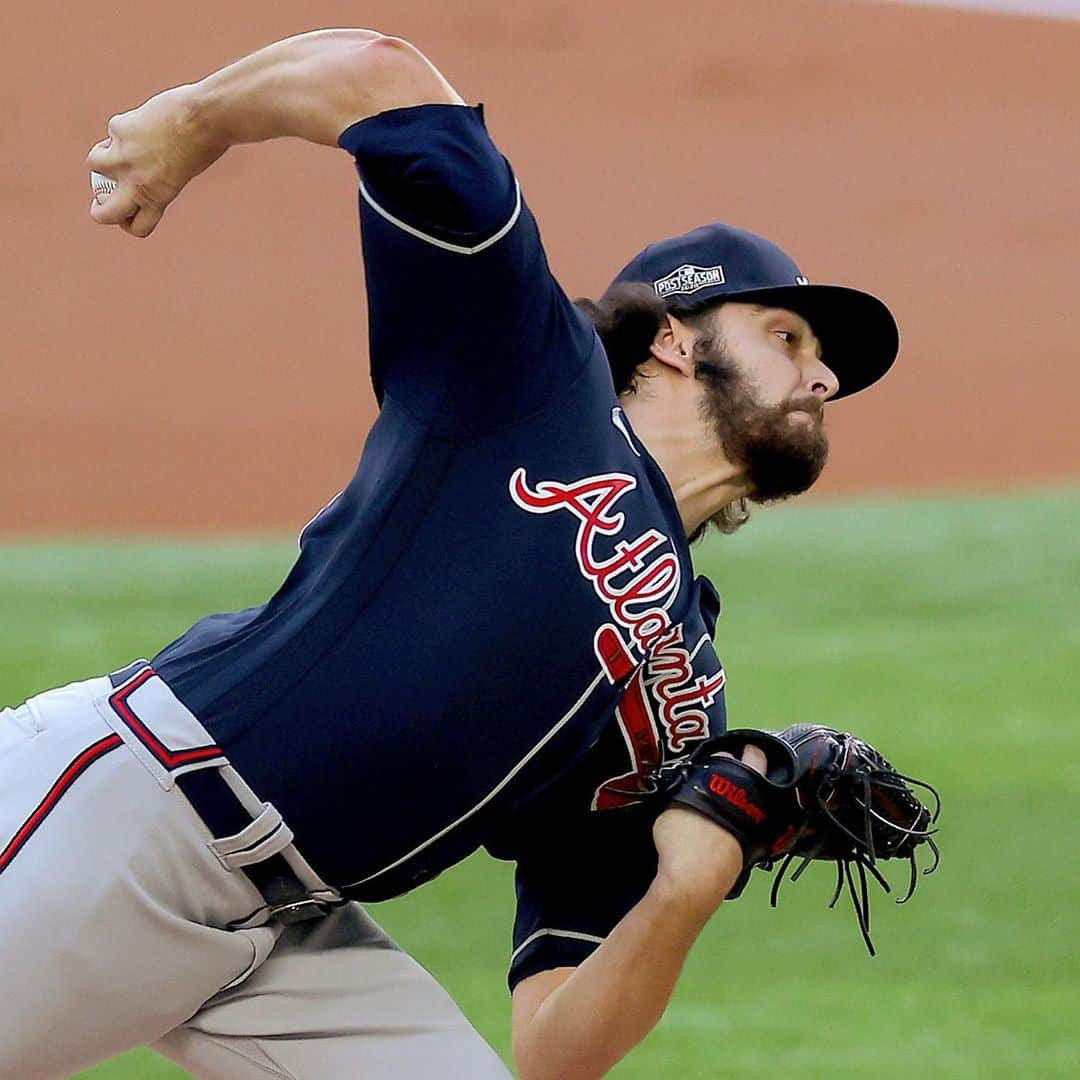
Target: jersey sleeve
point(467, 326)
point(572, 890)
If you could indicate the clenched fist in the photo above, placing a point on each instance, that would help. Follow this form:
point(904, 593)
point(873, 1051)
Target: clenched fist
point(152, 152)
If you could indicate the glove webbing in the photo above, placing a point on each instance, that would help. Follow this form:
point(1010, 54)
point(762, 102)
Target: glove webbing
point(863, 853)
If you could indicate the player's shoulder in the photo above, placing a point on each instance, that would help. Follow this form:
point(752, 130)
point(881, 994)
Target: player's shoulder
point(433, 173)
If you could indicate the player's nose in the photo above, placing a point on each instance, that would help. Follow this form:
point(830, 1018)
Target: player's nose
point(821, 381)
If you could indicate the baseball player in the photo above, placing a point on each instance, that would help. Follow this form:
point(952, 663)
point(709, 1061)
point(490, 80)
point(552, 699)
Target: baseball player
point(492, 636)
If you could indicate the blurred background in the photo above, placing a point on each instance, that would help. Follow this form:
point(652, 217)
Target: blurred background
point(214, 376)
point(172, 409)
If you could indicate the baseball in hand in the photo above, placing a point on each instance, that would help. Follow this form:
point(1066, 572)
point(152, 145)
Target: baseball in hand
point(102, 186)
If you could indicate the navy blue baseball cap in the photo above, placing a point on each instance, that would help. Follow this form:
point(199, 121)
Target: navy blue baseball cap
point(858, 335)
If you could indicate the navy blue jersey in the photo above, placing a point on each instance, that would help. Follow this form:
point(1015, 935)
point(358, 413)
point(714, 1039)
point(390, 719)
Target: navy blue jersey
point(458, 656)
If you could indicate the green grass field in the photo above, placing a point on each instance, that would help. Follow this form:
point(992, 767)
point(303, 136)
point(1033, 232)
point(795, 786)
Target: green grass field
point(946, 631)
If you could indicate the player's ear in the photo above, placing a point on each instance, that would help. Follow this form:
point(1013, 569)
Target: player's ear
point(673, 345)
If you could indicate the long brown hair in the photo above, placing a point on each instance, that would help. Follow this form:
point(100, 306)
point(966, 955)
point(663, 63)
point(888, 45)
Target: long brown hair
point(627, 318)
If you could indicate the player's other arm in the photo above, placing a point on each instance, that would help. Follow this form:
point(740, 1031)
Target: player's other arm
point(576, 1023)
point(311, 87)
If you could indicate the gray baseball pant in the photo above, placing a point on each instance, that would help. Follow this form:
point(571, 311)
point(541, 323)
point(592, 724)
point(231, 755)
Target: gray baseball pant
point(116, 904)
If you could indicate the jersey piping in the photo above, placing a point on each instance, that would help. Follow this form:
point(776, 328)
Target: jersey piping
point(620, 423)
point(697, 648)
point(315, 517)
point(494, 791)
point(574, 935)
point(457, 249)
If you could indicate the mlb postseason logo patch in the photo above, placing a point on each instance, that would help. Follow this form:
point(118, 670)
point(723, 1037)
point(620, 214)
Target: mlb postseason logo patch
point(688, 279)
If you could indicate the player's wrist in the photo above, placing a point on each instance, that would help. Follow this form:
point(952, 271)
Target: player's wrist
point(699, 862)
point(215, 116)
point(691, 900)
point(195, 132)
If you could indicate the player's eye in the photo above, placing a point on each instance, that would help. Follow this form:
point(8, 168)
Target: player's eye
point(787, 336)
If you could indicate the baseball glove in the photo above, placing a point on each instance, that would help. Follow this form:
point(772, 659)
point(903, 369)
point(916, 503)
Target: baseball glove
point(858, 809)
point(826, 795)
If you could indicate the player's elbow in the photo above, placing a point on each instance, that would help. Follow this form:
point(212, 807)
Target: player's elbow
point(537, 1062)
point(544, 1047)
point(395, 74)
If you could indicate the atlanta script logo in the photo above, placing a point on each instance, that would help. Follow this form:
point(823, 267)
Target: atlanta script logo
point(638, 579)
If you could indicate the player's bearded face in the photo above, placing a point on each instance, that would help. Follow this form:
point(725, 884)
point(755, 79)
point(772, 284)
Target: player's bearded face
point(782, 448)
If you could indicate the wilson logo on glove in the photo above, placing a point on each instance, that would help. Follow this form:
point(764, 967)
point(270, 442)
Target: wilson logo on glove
point(825, 796)
point(722, 786)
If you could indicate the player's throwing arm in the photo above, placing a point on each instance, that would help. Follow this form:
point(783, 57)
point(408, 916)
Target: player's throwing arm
point(312, 87)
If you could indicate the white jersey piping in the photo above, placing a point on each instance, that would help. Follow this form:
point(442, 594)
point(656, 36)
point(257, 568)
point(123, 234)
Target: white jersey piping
point(315, 517)
point(457, 249)
point(697, 648)
point(574, 935)
point(494, 791)
point(618, 420)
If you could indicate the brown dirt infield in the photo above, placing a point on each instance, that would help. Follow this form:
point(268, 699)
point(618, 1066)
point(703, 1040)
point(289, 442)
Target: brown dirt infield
point(214, 376)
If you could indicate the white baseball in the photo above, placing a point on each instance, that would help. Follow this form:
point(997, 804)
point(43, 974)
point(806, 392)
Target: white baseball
point(102, 186)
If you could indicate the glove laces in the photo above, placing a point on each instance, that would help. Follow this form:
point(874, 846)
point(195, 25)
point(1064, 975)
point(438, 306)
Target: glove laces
point(856, 850)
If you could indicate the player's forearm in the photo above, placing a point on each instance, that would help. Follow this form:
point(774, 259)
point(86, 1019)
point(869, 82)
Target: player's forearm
point(614, 999)
point(313, 86)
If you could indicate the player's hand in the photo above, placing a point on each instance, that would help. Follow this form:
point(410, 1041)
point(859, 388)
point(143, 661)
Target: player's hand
point(151, 152)
point(700, 859)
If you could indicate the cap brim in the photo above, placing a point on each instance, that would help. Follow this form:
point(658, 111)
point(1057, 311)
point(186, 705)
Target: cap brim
point(858, 335)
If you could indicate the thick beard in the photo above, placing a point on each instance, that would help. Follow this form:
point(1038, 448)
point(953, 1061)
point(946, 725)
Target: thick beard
point(780, 457)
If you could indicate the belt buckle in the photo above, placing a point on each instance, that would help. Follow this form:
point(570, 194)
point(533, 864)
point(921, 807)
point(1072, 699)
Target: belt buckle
point(303, 910)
